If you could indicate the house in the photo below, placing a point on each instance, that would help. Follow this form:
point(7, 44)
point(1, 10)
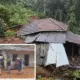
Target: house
point(46, 33)
point(15, 27)
point(12, 52)
point(42, 32)
point(72, 44)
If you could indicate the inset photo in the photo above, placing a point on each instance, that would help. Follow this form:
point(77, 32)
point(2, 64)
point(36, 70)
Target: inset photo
point(17, 61)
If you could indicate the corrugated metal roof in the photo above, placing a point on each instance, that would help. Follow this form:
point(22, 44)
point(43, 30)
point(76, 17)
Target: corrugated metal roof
point(28, 29)
point(52, 37)
point(6, 47)
point(46, 37)
point(74, 38)
point(31, 38)
point(47, 24)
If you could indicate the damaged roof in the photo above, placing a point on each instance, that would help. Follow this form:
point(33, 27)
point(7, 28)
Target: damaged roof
point(46, 37)
point(42, 25)
point(71, 37)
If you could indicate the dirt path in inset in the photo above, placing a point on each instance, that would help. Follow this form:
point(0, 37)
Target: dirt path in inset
point(26, 73)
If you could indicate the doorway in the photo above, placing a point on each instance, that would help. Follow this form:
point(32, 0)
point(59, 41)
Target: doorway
point(26, 60)
point(14, 57)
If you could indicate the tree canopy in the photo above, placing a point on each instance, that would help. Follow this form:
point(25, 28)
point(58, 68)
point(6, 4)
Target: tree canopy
point(19, 11)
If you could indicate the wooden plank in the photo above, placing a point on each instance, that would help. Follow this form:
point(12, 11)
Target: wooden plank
point(41, 52)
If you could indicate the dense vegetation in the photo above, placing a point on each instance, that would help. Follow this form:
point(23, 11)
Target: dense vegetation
point(14, 12)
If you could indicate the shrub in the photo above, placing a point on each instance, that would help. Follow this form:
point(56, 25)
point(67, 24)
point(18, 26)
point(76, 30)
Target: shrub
point(40, 78)
point(4, 13)
point(2, 27)
point(10, 33)
point(76, 73)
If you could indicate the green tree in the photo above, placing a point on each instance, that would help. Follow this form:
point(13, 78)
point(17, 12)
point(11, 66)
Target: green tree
point(78, 12)
point(4, 14)
point(2, 27)
point(19, 14)
point(72, 20)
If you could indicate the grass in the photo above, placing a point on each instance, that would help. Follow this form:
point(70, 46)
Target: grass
point(46, 78)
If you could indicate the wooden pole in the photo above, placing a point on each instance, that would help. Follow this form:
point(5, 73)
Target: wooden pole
point(72, 49)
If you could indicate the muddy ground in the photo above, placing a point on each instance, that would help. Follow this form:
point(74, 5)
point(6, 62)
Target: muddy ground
point(26, 73)
point(13, 40)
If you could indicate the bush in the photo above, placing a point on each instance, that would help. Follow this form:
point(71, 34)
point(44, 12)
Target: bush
point(4, 13)
point(40, 78)
point(10, 33)
point(76, 73)
point(2, 27)
point(41, 15)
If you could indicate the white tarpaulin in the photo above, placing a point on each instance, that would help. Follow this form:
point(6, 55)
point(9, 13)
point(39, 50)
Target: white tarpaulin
point(56, 55)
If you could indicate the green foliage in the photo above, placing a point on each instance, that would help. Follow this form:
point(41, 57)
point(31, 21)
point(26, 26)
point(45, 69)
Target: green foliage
point(8, 2)
point(10, 34)
point(76, 73)
point(21, 10)
point(15, 14)
point(2, 27)
point(19, 14)
point(45, 78)
point(78, 12)
point(22, 37)
point(72, 19)
point(4, 14)
point(40, 78)
point(40, 15)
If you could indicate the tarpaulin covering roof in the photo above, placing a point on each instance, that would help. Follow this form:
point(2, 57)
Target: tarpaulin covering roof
point(46, 37)
point(47, 24)
point(74, 38)
point(56, 55)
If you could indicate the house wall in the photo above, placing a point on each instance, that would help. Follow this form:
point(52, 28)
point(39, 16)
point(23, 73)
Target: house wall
point(41, 52)
point(5, 58)
point(31, 60)
point(10, 56)
point(11, 59)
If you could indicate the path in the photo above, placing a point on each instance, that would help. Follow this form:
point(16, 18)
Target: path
point(26, 73)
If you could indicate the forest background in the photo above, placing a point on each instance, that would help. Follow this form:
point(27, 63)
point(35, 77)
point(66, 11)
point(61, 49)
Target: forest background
point(15, 12)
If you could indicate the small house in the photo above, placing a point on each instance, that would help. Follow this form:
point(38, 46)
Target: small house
point(26, 54)
point(45, 32)
point(54, 43)
point(15, 27)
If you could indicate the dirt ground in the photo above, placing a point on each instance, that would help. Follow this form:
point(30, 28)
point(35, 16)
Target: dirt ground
point(26, 73)
point(11, 41)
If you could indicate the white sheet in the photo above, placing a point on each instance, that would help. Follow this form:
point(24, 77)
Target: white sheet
point(56, 55)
